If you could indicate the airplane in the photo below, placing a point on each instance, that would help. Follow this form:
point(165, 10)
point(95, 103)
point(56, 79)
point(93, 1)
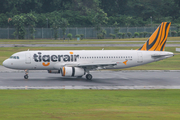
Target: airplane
point(77, 63)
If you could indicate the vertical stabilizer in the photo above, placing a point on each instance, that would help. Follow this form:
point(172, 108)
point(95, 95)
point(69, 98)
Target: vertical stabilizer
point(157, 41)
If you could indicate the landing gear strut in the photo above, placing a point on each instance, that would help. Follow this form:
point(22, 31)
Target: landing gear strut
point(89, 77)
point(26, 74)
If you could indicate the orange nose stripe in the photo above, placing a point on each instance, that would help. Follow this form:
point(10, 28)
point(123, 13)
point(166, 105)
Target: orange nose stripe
point(44, 64)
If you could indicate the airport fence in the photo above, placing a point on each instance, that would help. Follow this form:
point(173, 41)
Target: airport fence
point(88, 32)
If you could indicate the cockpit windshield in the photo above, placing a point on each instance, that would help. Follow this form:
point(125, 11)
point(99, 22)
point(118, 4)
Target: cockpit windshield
point(14, 57)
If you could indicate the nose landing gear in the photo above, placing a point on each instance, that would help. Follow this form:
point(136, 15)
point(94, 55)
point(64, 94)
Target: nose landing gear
point(26, 74)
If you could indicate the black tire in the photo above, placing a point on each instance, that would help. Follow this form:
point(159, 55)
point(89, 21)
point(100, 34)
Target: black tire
point(89, 77)
point(25, 76)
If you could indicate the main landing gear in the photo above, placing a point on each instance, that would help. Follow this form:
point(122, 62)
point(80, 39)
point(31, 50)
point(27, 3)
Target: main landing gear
point(26, 74)
point(89, 76)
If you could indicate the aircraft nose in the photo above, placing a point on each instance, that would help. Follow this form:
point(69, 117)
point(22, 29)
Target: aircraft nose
point(5, 63)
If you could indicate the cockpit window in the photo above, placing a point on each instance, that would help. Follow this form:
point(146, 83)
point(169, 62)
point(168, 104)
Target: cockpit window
point(14, 57)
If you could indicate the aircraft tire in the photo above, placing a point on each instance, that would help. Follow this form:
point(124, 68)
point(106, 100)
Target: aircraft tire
point(25, 76)
point(89, 77)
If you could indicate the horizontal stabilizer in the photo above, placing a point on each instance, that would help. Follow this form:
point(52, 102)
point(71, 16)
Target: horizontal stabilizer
point(156, 56)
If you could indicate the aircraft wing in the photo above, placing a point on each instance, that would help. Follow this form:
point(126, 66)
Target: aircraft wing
point(86, 65)
point(95, 64)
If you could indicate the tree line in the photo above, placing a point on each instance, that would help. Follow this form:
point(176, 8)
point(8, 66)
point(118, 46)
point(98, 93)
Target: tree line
point(80, 13)
point(85, 13)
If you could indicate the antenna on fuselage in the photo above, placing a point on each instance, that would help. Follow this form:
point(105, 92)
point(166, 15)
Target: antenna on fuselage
point(28, 50)
point(103, 49)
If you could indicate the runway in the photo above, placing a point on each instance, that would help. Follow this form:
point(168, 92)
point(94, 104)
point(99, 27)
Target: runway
point(79, 45)
point(12, 79)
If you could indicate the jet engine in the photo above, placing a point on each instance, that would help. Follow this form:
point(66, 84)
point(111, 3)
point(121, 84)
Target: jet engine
point(72, 71)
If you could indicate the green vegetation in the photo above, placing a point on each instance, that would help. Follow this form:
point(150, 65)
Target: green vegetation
point(87, 13)
point(89, 104)
point(44, 41)
point(20, 21)
point(120, 35)
point(136, 34)
point(112, 35)
point(77, 42)
point(129, 34)
point(69, 36)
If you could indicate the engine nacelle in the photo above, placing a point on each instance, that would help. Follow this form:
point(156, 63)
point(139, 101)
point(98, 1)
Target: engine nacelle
point(72, 71)
point(54, 71)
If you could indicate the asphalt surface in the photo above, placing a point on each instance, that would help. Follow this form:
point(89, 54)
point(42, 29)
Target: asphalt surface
point(13, 79)
point(79, 45)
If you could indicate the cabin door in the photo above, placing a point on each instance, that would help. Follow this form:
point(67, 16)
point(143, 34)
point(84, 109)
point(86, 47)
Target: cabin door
point(28, 58)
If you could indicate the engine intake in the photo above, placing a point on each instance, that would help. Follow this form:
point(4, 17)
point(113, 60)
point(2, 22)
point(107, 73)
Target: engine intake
point(72, 71)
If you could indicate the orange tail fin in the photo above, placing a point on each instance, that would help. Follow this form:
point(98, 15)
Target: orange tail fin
point(157, 41)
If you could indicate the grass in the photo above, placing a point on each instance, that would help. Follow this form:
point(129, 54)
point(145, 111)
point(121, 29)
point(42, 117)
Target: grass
point(89, 104)
point(167, 64)
point(84, 41)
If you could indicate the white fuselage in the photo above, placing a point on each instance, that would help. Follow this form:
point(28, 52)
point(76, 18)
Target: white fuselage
point(54, 60)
